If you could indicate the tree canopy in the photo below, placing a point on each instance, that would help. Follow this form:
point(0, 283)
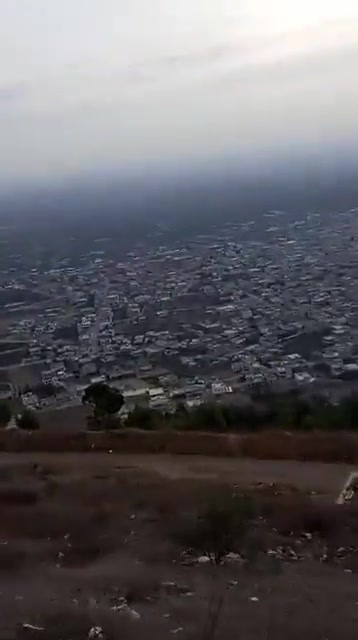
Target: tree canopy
point(104, 400)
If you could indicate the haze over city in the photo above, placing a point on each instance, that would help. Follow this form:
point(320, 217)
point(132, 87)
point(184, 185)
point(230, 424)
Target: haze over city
point(130, 87)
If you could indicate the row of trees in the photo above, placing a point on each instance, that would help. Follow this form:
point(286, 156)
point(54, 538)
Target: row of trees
point(271, 410)
point(288, 411)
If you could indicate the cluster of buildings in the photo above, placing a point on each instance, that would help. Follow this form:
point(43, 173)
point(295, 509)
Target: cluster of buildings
point(268, 302)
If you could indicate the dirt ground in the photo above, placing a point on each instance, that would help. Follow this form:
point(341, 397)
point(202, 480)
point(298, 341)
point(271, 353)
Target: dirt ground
point(323, 478)
point(88, 540)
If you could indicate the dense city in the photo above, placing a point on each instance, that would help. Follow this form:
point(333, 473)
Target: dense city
point(244, 305)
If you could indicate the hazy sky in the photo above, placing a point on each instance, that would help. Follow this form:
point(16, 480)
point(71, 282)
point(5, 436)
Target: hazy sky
point(97, 84)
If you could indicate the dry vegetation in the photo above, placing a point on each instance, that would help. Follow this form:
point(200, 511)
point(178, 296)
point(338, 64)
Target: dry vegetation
point(79, 534)
point(267, 445)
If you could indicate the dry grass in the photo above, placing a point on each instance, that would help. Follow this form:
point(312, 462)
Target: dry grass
point(104, 533)
point(73, 622)
point(316, 446)
point(12, 557)
point(18, 496)
point(267, 445)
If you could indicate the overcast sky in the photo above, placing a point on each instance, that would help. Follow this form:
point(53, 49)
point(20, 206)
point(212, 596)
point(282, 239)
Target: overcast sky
point(90, 85)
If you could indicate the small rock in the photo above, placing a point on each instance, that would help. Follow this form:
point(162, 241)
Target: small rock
point(177, 630)
point(203, 560)
point(254, 599)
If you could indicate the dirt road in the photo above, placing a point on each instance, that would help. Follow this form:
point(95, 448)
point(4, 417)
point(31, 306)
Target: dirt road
point(322, 478)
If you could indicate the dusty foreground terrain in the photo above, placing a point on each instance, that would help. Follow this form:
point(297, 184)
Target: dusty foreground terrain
point(89, 540)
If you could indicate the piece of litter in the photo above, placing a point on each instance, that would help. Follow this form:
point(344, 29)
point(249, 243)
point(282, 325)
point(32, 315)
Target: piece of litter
point(233, 557)
point(254, 599)
point(32, 627)
point(168, 615)
point(177, 630)
point(135, 615)
point(124, 608)
point(96, 633)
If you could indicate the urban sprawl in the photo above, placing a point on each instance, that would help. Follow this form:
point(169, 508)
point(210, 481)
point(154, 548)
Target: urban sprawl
point(272, 303)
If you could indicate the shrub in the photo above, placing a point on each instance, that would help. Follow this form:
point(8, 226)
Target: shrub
point(306, 516)
point(28, 421)
point(144, 418)
point(220, 529)
point(5, 414)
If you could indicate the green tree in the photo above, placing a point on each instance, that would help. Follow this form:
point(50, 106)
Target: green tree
point(349, 413)
point(28, 420)
point(144, 418)
point(208, 417)
point(180, 418)
point(104, 400)
point(5, 414)
point(291, 411)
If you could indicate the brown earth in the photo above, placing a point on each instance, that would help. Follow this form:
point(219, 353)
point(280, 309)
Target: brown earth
point(341, 447)
point(78, 533)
